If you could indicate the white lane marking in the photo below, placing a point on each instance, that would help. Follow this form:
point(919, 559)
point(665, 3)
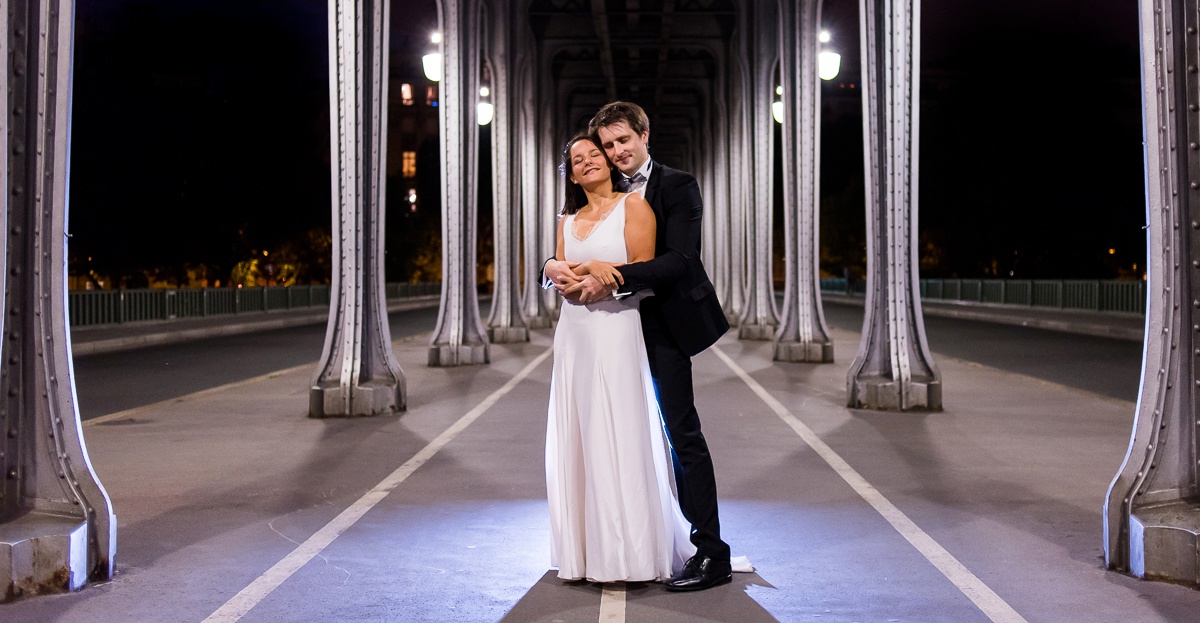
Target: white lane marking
point(120, 415)
point(984, 598)
point(247, 598)
point(612, 604)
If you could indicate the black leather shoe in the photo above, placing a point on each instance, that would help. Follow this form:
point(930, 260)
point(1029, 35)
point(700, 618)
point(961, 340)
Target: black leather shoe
point(699, 573)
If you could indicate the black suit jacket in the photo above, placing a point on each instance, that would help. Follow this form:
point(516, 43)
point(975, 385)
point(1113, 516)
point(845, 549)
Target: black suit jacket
point(685, 295)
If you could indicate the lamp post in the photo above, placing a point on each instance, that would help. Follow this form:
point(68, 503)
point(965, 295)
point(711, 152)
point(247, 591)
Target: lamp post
point(829, 63)
point(777, 106)
point(484, 110)
point(432, 63)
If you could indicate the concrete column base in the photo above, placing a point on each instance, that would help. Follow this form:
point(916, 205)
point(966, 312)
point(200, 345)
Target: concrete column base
point(757, 332)
point(1164, 542)
point(508, 335)
point(42, 553)
point(371, 398)
point(811, 352)
point(465, 355)
point(883, 394)
point(539, 322)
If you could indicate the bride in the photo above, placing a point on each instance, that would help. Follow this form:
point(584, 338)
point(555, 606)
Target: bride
point(614, 514)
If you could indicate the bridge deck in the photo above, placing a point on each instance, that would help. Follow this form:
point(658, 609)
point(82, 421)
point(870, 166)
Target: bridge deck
point(231, 500)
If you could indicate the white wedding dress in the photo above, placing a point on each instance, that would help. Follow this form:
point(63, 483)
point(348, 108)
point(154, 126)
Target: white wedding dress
point(614, 514)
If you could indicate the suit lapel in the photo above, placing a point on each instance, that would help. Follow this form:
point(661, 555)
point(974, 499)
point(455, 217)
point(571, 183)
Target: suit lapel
point(652, 185)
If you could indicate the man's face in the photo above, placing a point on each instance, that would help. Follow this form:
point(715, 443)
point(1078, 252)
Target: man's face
point(626, 150)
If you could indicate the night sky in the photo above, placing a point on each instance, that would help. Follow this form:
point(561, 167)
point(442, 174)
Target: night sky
point(200, 135)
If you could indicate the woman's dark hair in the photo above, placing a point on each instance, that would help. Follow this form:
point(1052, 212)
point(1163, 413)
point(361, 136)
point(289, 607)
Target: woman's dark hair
point(575, 197)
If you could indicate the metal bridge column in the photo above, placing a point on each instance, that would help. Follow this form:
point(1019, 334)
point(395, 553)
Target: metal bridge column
point(802, 334)
point(759, 319)
point(57, 527)
point(719, 210)
point(459, 338)
point(893, 368)
point(358, 374)
point(505, 323)
point(1151, 514)
point(739, 169)
point(532, 172)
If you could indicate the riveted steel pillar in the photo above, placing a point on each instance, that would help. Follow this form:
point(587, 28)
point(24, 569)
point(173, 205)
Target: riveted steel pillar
point(705, 175)
point(459, 338)
point(1151, 514)
point(893, 368)
point(759, 319)
point(57, 527)
point(505, 323)
point(533, 205)
point(532, 172)
point(802, 334)
point(358, 374)
point(723, 238)
point(551, 185)
point(739, 197)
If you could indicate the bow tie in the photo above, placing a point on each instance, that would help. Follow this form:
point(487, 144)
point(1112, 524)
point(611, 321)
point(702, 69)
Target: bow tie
point(629, 184)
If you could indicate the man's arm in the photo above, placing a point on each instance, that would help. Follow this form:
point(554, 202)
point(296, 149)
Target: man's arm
point(682, 211)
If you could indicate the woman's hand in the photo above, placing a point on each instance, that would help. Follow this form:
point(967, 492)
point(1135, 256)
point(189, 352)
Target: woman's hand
point(604, 272)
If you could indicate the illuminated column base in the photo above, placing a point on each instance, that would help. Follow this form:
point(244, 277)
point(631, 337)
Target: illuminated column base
point(804, 352)
point(886, 394)
point(42, 553)
point(444, 356)
point(370, 398)
point(508, 335)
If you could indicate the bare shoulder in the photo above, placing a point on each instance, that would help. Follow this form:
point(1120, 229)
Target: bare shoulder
point(637, 207)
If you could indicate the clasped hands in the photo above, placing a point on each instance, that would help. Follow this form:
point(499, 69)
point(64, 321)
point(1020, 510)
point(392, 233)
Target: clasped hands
point(584, 282)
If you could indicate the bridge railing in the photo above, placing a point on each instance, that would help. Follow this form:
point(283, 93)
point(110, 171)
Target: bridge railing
point(1127, 297)
point(101, 307)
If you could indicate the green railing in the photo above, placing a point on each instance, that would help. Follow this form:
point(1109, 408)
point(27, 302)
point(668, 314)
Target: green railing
point(101, 307)
point(1126, 297)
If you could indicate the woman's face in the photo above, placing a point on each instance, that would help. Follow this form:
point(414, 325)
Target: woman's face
point(588, 165)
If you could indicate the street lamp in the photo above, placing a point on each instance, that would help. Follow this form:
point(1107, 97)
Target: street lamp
point(829, 63)
point(777, 105)
point(432, 62)
point(484, 110)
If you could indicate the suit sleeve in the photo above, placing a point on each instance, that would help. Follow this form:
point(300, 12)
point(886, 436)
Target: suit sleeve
point(682, 210)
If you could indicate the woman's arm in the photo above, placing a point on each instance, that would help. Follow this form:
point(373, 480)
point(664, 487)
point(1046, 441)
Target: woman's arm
point(640, 229)
point(559, 253)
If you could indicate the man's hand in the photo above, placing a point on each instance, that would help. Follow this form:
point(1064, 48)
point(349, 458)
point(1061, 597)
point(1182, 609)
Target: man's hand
point(589, 289)
point(562, 274)
point(605, 272)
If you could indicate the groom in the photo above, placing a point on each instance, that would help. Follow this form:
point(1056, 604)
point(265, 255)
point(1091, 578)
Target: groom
point(683, 318)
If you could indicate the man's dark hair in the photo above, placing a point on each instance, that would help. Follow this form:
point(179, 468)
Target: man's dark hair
point(616, 112)
point(575, 197)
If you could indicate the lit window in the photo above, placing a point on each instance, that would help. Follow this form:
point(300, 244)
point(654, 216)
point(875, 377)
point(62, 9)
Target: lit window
point(431, 95)
point(406, 97)
point(408, 163)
